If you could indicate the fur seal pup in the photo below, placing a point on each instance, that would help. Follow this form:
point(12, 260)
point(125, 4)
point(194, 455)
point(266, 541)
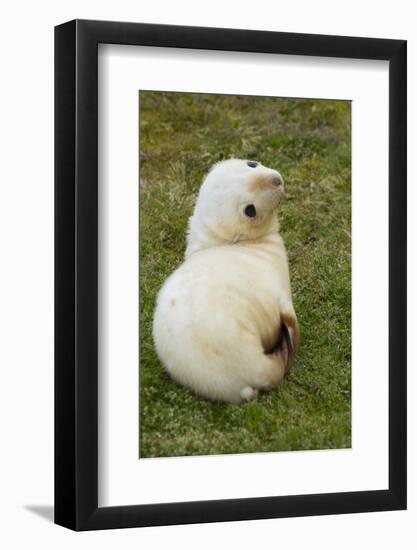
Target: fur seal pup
point(224, 323)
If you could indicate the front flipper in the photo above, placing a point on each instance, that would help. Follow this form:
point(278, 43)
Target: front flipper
point(288, 341)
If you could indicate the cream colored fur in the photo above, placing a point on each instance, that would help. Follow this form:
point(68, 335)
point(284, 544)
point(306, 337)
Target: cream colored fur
point(218, 317)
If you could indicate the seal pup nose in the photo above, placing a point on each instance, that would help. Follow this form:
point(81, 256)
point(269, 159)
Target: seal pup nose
point(277, 181)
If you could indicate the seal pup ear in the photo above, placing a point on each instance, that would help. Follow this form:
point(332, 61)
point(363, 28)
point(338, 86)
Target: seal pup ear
point(289, 340)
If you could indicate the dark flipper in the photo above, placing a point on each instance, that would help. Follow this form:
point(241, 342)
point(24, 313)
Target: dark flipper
point(288, 340)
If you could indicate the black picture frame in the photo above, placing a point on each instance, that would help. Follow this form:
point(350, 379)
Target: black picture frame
point(76, 272)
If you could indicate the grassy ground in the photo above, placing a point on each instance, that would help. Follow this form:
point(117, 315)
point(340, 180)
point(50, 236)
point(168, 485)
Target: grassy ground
point(308, 141)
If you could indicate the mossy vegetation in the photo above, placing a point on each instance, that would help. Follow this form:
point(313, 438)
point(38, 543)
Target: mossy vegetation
point(309, 142)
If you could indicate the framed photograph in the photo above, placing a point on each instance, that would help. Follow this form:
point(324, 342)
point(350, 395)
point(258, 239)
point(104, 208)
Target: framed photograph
point(230, 284)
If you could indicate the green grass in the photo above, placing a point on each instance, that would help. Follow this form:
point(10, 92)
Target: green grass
point(308, 141)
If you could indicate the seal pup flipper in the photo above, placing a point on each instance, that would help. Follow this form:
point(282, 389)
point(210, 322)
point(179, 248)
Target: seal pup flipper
point(248, 393)
point(288, 341)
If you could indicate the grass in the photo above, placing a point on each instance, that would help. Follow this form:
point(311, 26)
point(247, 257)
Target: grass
point(308, 141)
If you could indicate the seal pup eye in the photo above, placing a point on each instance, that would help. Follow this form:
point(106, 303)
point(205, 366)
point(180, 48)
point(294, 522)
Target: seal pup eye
point(250, 211)
point(252, 163)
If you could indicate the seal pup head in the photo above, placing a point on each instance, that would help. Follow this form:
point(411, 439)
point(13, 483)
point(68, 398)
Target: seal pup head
point(237, 201)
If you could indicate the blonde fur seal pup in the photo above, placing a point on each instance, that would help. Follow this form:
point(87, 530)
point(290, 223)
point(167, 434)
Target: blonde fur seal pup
point(224, 323)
